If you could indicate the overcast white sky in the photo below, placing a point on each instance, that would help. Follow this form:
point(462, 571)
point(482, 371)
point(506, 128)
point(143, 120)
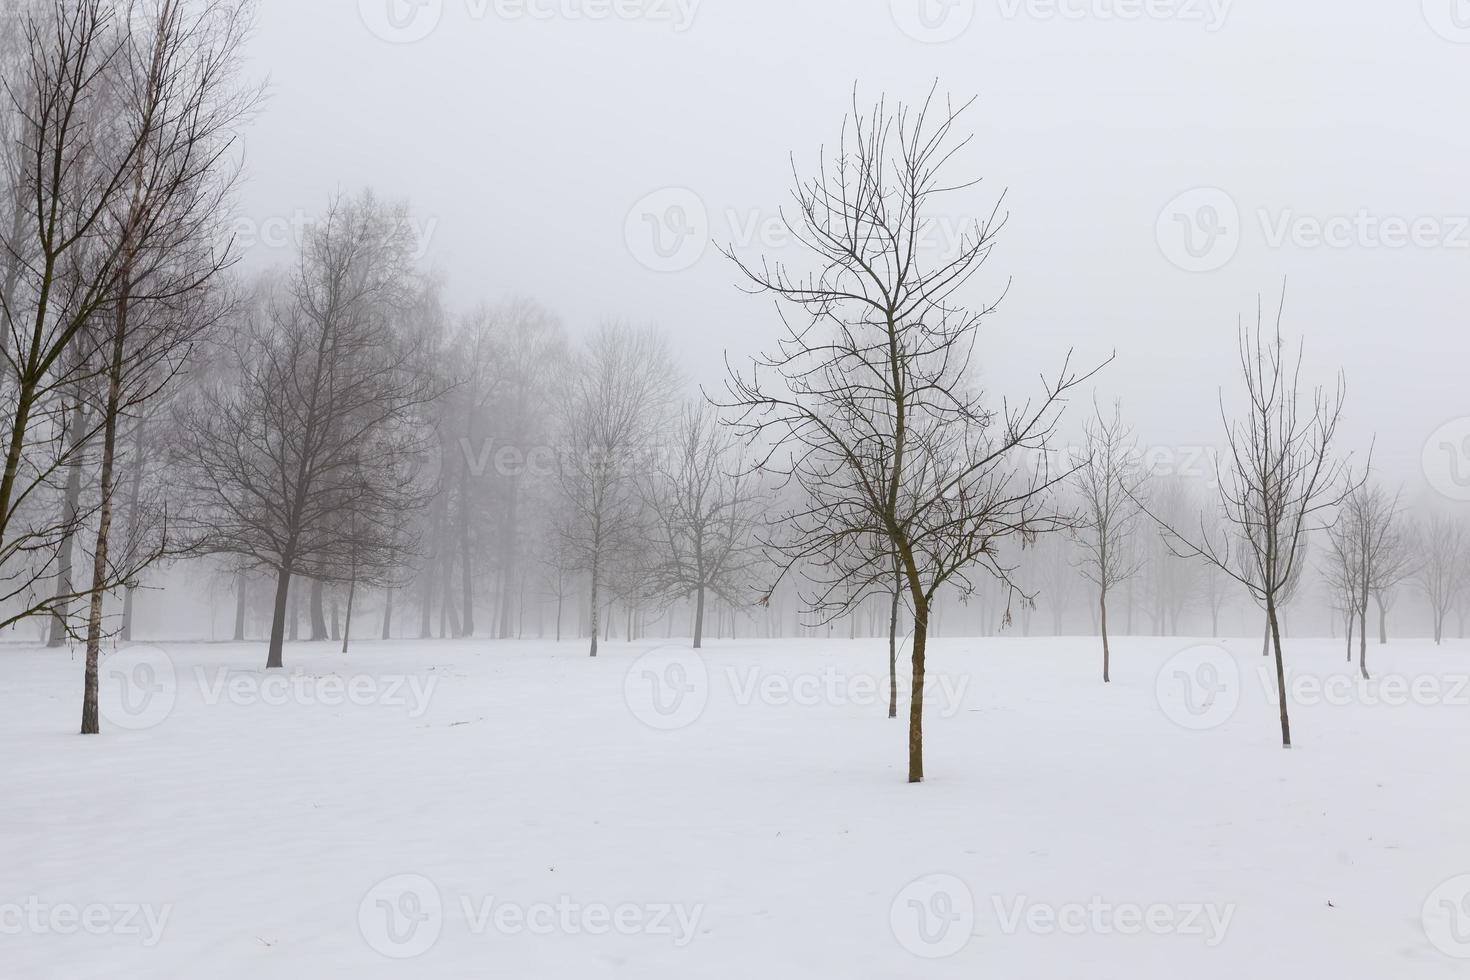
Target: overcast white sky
point(525, 134)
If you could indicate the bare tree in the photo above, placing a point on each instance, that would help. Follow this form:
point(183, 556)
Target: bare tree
point(1279, 481)
point(181, 100)
point(706, 508)
point(1339, 575)
point(470, 364)
point(71, 157)
point(531, 355)
point(618, 394)
point(1444, 550)
point(1394, 563)
point(323, 421)
point(867, 403)
point(1110, 482)
point(1363, 542)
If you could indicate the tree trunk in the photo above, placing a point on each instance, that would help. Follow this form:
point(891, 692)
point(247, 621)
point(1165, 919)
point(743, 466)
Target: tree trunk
point(336, 633)
point(1280, 672)
point(426, 607)
point(388, 614)
point(135, 497)
point(1102, 606)
point(90, 724)
point(1382, 621)
point(240, 590)
point(452, 613)
point(466, 570)
point(595, 610)
point(699, 617)
point(509, 554)
point(295, 618)
point(916, 692)
point(893, 642)
point(1363, 638)
point(71, 504)
point(317, 613)
point(278, 617)
point(347, 619)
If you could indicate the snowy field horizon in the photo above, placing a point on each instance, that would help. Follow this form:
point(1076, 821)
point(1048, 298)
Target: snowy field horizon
point(424, 808)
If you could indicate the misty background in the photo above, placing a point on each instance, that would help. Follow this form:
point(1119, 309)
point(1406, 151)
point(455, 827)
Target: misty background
point(1160, 169)
point(523, 144)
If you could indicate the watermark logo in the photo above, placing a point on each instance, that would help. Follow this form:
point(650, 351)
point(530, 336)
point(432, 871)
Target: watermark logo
point(137, 687)
point(936, 915)
point(566, 916)
point(401, 917)
point(1446, 917)
point(944, 695)
point(1446, 459)
point(401, 21)
point(1209, 13)
point(1158, 462)
point(410, 21)
point(671, 229)
point(668, 230)
point(1450, 19)
point(33, 916)
point(280, 232)
point(933, 21)
point(1363, 229)
point(1199, 231)
point(146, 922)
point(933, 916)
point(667, 689)
point(1349, 688)
point(248, 688)
point(1098, 916)
point(1199, 688)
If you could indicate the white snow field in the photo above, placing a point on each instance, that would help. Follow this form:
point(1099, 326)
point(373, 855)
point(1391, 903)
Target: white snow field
point(477, 809)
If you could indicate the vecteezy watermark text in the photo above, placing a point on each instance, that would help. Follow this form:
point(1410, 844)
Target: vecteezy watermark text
point(410, 21)
point(38, 917)
point(403, 916)
point(669, 688)
point(936, 916)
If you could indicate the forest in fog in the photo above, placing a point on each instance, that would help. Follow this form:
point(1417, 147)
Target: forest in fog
point(328, 449)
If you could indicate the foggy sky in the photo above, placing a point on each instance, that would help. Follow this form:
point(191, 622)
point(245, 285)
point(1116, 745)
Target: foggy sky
point(524, 142)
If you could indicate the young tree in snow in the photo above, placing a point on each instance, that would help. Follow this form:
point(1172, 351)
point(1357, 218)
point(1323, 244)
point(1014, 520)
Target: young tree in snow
point(71, 154)
point(181, 104)
point(1279, 481)
point(867, 401)
point(1110, 484)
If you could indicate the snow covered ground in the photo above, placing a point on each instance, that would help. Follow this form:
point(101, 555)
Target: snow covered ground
point(478, 809)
